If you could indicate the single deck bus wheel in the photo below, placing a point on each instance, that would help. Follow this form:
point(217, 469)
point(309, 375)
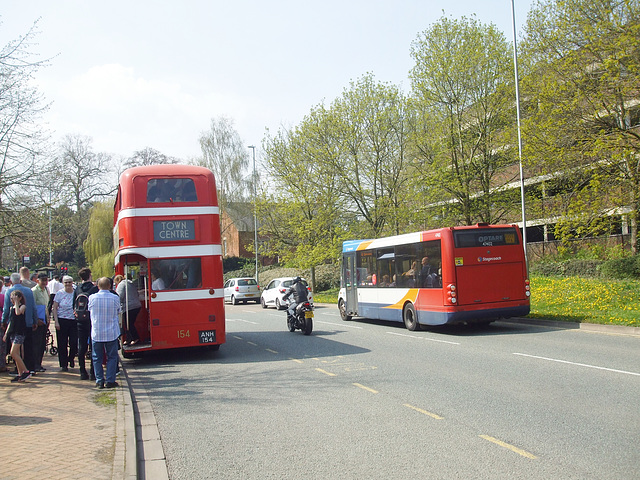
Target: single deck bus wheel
point(343, 311)
point(410, 317)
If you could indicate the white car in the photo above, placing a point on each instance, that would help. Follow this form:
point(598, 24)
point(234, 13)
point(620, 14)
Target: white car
point(241, 290)
point(272, 294)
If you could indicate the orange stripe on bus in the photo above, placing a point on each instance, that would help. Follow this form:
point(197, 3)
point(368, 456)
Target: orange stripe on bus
point(364, 245)
point(412, 296)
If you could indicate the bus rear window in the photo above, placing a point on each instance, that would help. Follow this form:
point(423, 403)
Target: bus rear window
point(485, 238)
point(163, 190)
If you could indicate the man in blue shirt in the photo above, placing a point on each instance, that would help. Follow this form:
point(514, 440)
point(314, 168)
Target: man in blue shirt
point(30, 316)
point(105, 331)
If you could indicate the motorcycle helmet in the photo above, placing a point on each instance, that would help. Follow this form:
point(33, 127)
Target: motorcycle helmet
point(297, 280)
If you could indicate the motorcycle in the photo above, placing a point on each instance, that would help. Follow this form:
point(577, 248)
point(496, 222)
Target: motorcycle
point(302, 319)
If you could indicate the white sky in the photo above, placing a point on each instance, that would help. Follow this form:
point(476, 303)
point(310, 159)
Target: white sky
point(140, 73)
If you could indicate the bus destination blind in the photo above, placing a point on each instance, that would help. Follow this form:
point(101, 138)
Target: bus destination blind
point(174, 230)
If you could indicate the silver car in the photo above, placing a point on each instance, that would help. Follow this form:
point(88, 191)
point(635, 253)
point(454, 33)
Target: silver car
point(241, 290)
point(272, 294)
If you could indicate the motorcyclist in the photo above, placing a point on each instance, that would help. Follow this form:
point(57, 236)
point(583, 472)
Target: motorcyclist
point(299, 292)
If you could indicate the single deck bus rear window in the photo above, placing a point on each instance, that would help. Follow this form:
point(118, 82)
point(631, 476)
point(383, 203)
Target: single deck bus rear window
point(162, 190)
point(485, 238)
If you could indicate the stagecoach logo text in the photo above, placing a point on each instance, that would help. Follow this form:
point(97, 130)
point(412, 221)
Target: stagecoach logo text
point(489, 259)
point(174, 230)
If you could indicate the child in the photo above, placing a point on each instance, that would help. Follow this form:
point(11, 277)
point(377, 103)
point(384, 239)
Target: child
point(17, 330)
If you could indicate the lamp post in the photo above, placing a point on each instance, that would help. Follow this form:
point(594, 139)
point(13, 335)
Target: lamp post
point(515, 68)
point(255, 210)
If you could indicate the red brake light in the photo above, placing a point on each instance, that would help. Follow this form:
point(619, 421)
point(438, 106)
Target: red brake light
point(237, 289)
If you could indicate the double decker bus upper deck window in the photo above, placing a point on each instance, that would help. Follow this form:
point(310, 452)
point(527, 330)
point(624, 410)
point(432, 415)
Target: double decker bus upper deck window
point(164, 190)
point(485, 237)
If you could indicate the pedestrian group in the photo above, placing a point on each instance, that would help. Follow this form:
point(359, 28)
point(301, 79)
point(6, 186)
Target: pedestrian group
point(86, 316)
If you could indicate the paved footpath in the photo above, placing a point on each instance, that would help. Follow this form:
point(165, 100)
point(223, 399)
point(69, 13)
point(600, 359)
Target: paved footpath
point(55, 425)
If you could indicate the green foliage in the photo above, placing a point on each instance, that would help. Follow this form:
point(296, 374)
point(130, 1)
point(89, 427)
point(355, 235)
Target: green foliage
point(616, 268)
point(100, 237)
point(462, 85)
point(621, 268)
point(230, 264)
point(585, 71)
point(327, 276)
point(103, 266)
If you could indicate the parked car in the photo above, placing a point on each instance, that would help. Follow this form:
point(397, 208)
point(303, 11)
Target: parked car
point(241, 290)
point(272, 294)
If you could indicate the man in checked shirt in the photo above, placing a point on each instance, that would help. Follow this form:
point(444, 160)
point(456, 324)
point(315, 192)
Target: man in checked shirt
point(104, 307)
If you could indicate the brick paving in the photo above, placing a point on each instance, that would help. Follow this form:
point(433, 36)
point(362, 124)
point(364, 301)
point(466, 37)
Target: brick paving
point(54, 425)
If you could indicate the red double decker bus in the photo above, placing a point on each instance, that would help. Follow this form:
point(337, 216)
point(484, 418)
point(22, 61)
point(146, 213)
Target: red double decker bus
point(167, 241)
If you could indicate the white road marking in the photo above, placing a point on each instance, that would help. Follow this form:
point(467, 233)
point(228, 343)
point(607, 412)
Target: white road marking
point(339, 325)
point(578, 364)
point(423, 338)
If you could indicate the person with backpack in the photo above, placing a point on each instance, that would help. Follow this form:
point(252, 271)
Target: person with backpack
point(83, 317)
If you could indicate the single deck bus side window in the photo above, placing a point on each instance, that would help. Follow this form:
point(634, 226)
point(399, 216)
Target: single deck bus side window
point(366, 268)
point(386, 264)
point(174, 190)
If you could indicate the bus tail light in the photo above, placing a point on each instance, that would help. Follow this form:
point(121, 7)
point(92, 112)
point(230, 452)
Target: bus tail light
point(452, 294)
point(527, 288)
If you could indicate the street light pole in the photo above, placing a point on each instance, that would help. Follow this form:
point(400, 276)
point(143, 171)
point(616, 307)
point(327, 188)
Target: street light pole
point(515, 68)
point(255, 210)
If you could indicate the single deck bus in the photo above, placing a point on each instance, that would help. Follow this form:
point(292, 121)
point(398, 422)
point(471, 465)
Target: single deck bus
point(167, 240)
point(471, 274)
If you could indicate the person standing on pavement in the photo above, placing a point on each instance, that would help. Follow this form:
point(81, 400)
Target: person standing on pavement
point(131, 305)
point(41, 297)
point(3, 343)
point(105, 332)
point(84, 320)
point(24, 278)
point(54, 286)
point(16, 331)
point(6, 285)
point(66, 325)
point(31, 318)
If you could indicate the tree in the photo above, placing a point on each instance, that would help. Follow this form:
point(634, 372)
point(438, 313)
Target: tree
point(372, 131)
point(583, 91)
point(86, 176)
point(461, 84)
point(148, 156)
point(303, 222)
point(21, 136)
point(226, 155)
point(99, 240)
